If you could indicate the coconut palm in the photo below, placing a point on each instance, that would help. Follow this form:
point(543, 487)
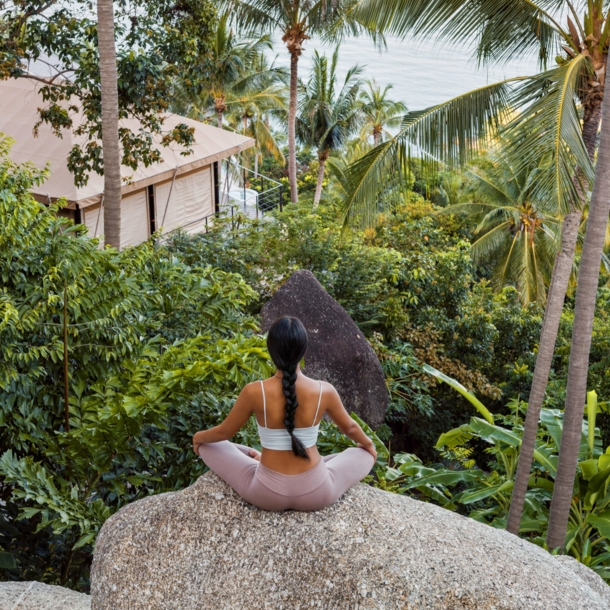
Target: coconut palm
point(329, 116)
point(110, 123)
point(549, 121)
point(514, 231)
point(231, 57)
point(298, 20)
point(250, 108)
point(380, 112)
point(586, 293)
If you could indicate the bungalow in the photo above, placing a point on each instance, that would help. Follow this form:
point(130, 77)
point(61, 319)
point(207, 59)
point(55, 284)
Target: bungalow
point(179, 191)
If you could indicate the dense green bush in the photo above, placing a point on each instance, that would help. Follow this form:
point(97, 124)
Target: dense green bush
point(482, 489)
point(148, 350)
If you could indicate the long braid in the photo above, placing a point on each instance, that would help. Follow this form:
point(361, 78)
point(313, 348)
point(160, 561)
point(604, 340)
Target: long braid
point(288, 386)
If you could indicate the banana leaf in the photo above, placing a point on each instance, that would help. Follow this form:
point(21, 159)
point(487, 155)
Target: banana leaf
point(601, 523)
point(474, 495)
point(455, 438)
point(456, 385)
point(447, 477)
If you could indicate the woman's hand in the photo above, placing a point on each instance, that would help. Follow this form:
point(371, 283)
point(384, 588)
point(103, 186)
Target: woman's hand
point(196, 444)
point(370, 447)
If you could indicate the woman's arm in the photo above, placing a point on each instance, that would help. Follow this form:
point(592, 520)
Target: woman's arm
point(336, 411)
point(241, 411)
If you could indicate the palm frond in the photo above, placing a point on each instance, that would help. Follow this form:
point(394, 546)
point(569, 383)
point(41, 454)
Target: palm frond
point(452, 132)
point(499, 30)
point(549, 127)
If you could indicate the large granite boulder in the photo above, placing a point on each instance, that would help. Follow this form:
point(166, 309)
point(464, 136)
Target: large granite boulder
point(34, 595)
point(338, 351)
point(206, 548)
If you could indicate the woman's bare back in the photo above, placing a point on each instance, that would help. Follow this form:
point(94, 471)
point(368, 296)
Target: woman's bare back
point(308, 393)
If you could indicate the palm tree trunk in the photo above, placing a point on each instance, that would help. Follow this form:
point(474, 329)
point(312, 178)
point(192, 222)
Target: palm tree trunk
point(376, 135)
point(322, 160)
point(292, 118)
point(110, 123)
point(584, 311)
point(219, 107)
point(546, 348)
point(548, 336)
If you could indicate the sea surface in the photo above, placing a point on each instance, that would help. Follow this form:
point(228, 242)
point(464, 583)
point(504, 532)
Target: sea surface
point(423, 74)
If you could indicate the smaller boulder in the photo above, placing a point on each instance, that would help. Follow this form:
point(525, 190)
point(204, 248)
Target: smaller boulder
point(338, 351)
point(38, 596)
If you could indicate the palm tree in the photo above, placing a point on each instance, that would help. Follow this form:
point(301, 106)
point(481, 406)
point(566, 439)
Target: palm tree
point(380, 112)
point(258, 97)
point(230, 58)
point(329, 116)
point(549, 121)
point(586, 293)
point(514, 232)
point(110, 123)
point(298, 20)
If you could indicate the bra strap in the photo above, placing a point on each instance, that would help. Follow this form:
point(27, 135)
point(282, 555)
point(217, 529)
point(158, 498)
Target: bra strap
point(264, 403)
point(319, 401)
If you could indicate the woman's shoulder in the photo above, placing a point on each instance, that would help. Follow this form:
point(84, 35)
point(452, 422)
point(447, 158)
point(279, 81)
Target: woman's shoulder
point(252, 388)
point(327, 387)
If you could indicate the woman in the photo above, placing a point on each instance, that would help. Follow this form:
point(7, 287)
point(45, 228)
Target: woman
point(290, 473)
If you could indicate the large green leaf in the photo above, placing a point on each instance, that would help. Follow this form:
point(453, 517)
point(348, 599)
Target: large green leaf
point(455, 438)
point(549, 126)
point(494, 434)
point(601, 523)
point(452, 132)
point(498, 30)
point(456, 385)
point(7, 561)
point(447, 477)
point(475, 495)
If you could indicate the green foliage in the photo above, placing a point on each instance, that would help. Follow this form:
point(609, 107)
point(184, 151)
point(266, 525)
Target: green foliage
point(155, 43)
point(330, 110)
point(411, 286)
point(483, 493)
point(153, 350)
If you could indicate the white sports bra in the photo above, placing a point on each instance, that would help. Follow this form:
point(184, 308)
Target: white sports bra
point(279, 438)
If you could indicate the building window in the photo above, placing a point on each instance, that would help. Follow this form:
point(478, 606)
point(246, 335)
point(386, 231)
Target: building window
point(150, 191)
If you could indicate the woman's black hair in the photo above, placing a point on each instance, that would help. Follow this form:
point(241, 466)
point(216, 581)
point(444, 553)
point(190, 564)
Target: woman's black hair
point(287, 344)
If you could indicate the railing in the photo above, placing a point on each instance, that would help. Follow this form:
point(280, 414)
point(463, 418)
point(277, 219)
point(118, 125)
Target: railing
point(255, 192)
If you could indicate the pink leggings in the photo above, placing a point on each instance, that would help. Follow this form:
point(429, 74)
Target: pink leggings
point(314, 489)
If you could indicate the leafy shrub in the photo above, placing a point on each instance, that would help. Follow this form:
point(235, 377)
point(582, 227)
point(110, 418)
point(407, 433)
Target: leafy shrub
point(147, 350)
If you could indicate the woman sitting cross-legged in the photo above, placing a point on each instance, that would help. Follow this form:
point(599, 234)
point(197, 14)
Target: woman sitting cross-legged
point(290, 473)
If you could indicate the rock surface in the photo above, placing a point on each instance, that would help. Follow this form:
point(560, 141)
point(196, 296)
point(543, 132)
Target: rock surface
point(206, 548)
point(338, 351)
point(38, 596)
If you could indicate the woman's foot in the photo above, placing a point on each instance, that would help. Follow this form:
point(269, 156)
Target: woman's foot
point(255, 454)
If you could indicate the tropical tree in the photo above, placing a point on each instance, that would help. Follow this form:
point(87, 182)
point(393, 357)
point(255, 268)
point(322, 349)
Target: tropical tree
point(254, 103)
point(133, 59)
point(586, 293)
point(514, 231)
point(110, 123)
point(548, 122)
point(297, 20)
point(380, 112)
point(231, 58)
point(329, 116)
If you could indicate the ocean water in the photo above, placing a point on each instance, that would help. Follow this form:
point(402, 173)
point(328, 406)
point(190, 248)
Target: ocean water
point(423, 74)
